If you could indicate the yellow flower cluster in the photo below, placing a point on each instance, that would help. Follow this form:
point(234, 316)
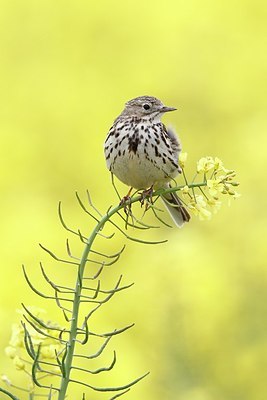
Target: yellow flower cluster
point(217, 181)
point(49, 346)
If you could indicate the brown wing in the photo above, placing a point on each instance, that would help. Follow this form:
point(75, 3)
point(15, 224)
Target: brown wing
point(175, 142)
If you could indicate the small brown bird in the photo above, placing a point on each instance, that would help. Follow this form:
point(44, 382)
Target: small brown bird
point(142, 153)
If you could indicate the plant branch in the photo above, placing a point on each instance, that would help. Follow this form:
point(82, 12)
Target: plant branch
point(74, 330)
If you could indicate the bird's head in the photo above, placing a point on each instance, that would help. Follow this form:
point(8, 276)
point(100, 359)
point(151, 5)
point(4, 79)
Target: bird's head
point(145, 107)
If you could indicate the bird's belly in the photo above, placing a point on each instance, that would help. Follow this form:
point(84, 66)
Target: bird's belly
point(140, 172)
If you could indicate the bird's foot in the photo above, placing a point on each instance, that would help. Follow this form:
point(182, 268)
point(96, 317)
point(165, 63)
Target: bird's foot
point(146, 196)
point(126, 202)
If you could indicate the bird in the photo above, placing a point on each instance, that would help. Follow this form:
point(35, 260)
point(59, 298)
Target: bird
point(143, 154)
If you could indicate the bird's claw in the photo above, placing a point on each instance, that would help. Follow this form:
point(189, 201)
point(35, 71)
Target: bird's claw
point(126, 203)
point(147, 195)
point(124, 200)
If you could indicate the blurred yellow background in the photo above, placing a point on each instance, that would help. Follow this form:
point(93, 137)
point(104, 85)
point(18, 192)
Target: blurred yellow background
point(66, 70)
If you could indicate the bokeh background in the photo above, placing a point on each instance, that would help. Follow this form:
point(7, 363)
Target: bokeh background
point(67, 67)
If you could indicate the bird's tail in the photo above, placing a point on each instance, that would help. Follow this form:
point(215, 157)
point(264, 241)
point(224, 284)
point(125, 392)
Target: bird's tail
point(176, 209)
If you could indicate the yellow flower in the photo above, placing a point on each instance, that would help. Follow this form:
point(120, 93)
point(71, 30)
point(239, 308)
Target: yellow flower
point(215, 205)
point(202, 208)
point(5, 379)
point(215, 186)
point(182, 159)
point(48, 345)
point(49, 351)
point(19, 364)
point(199, 208)
point(218, 164)
point(17, 336)
point(205, 164)
point(10, 351)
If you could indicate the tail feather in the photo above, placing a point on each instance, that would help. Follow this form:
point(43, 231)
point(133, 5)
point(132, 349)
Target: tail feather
point(176, 209)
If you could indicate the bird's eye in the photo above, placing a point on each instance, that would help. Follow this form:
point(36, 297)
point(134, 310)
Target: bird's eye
point(146, 106)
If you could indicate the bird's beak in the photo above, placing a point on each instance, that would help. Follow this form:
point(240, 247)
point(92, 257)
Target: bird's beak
point(167, 109)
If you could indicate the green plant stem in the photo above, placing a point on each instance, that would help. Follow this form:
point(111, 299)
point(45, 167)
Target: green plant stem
point(76, 304)
point(65, 380)
point(10, 395)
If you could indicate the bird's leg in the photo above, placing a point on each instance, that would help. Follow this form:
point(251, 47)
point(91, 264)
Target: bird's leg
point(147, 195)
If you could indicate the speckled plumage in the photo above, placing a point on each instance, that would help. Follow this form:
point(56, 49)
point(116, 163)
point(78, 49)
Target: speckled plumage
point(141, 152)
